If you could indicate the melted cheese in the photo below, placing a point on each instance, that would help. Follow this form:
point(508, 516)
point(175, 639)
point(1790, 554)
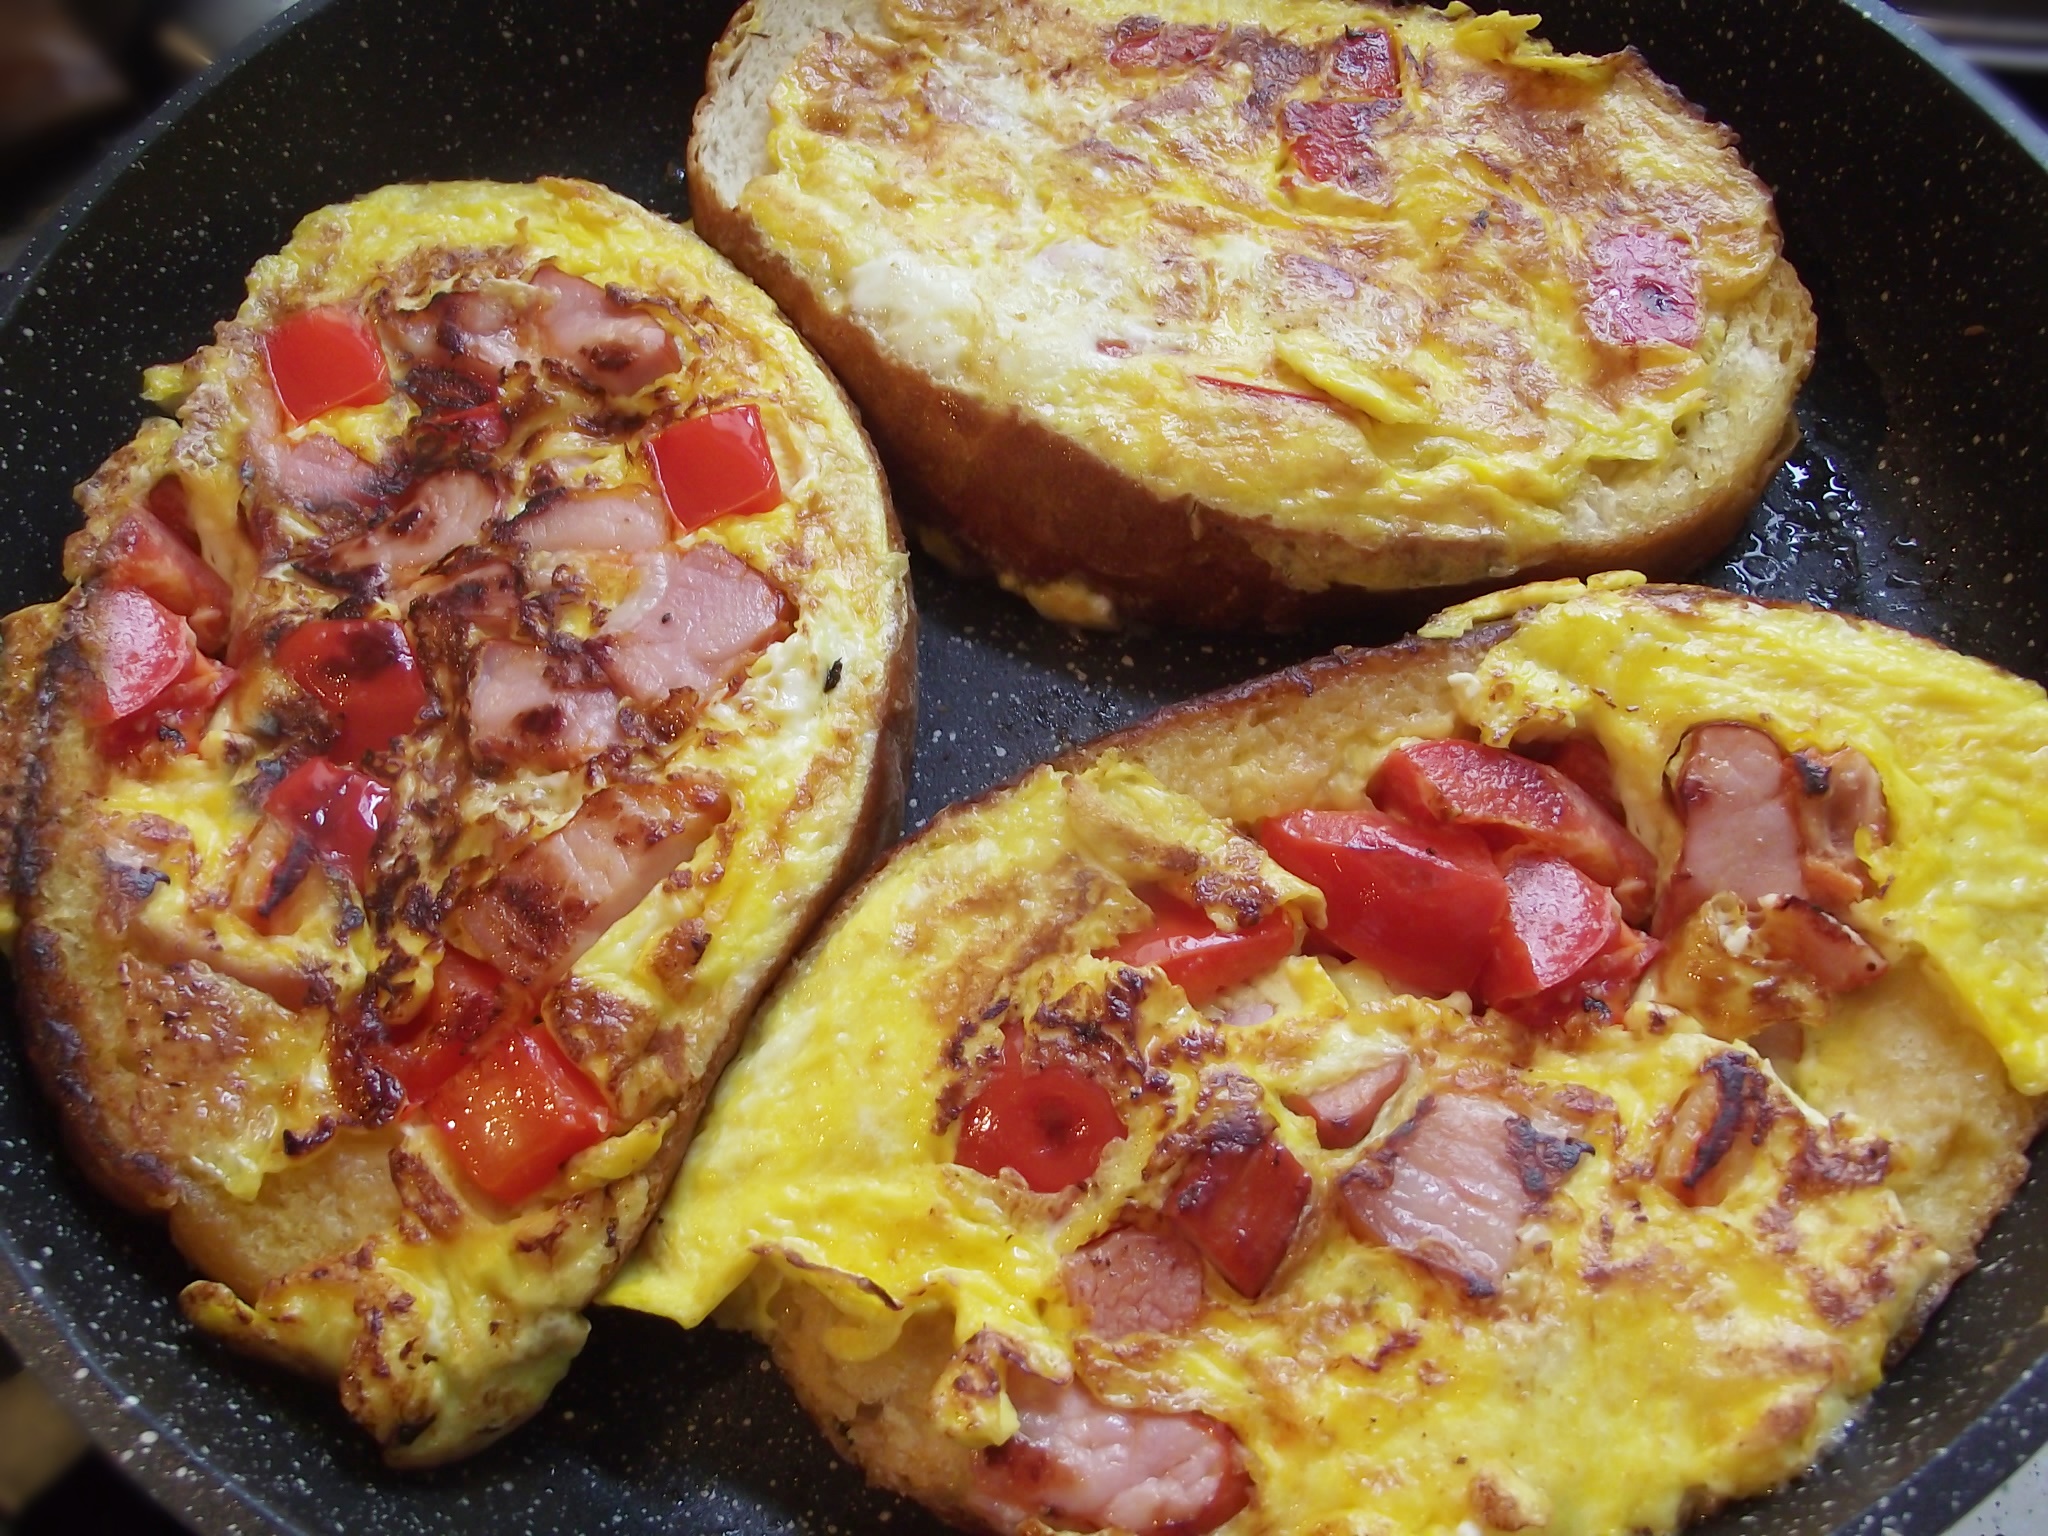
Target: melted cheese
point(1024, 220)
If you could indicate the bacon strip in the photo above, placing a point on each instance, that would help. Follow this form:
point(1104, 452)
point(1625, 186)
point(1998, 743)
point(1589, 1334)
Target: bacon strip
point(518, 714)
point(692, 621)
point(1079, 1464)
point(1450, 1188)
point(556, 899)
point(1128, 1281)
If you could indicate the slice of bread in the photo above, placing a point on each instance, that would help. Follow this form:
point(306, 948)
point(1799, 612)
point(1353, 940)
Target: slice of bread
point(407, 1095)
point(1735, 1189)
point(1140, 330)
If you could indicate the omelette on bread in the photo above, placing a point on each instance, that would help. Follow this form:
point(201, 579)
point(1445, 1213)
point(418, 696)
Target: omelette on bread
point(1232, 315)
point(462, 708)
point(1527, 1078)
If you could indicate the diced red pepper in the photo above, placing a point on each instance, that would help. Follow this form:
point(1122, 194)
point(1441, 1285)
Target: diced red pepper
point(1643, 286)
point(1146, 42)
point(339, 811)
point(469, 997)
point(1419, 904)
point(176, 714)
point(715, 465)
point(323, 359)
point(1557, 921)
point(1050, 1125)
point(517, 1112)
point(139, 551)
point(1366, 63)
point(1239, 1205)
point(1331, 140)
point(1584, 761)
point(1196, 955)
point(1514, 802)
point(136, 648)
point(365, 674)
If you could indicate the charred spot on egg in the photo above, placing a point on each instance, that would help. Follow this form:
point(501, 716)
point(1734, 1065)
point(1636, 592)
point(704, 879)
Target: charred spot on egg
point(1221, 1177)
point(431, 768)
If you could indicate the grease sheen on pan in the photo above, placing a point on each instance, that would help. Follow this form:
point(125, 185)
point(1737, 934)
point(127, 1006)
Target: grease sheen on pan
point(1216, 314)
point(256, 1066)
point(1645, 1357)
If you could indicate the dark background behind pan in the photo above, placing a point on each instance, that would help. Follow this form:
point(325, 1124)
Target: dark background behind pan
point(1916, 208)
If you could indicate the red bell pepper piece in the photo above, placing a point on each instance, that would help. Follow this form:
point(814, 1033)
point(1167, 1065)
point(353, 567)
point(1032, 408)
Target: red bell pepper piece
point(517, 1112)
point(469, 997)
point(1050, 1125)
point(323, 359)
point(1557, 921)
point(365, 674)
point(1240, 1205)
point(1419, 904)
point(136, 648)
point(715, 465)
point(339, 811)
point(1196, 955)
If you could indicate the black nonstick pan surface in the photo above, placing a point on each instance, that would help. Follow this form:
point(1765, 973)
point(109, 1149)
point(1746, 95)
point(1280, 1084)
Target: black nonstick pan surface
point(1916, 208)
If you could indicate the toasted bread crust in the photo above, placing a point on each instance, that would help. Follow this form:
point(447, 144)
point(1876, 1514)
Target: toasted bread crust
point(990, 490)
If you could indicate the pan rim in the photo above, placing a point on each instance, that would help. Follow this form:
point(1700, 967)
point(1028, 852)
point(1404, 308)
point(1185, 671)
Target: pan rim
point(194, 1488)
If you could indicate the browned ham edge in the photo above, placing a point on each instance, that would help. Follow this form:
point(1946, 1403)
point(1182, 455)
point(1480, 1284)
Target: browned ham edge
point(1344, 1112)
point(1840, 795)
point(1835, 955)
point(556, 899)
point(1451, 1187)
point(519, 713)
point(1719, 1123)
point(439, 515)
point(1128, 1281)
point(691, 621)
point(1080, 1465)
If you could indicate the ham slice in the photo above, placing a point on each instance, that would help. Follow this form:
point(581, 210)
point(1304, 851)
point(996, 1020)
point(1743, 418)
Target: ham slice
point(1735, 795)
point(517, 714)
point(442, 513)
point(1840, 795)
point(1450, 1188)
point(1128, 1281)
point(556, 899)
point(631, 520)
point(1344, 1112)
point(692, 621)
point(620, 349)
point(1080, 1465)
point(477, 332)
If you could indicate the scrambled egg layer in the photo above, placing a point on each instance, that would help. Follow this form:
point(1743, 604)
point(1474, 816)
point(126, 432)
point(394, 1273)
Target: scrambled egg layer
point(1644, 1359)
point(1118, 249)
point(491, 1302)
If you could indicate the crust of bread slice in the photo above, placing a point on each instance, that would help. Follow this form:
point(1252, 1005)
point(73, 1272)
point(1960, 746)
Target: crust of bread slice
point(989, 487)
point(361, 1255)
point(1903, 1060)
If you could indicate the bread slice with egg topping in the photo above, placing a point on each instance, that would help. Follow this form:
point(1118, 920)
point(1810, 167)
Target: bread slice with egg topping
point(1530, 1076)
point(1233, 316)
point(464, 707)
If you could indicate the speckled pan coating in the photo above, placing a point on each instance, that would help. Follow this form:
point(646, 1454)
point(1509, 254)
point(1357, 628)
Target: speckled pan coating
point(1918, 219)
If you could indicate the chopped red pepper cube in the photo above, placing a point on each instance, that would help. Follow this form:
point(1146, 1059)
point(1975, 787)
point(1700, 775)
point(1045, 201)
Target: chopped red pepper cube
point(1419, 904)
point(339, 811)
point(1240, 1205)
point(1050, 1125)
point(1196, 955)
point(139, 551)
point(469, 997)
point(1557, 921)
point(323, 359)
point(364, 672)
point(177, 714)
point(715, 465)
point(136, 648)
point(517, 1112)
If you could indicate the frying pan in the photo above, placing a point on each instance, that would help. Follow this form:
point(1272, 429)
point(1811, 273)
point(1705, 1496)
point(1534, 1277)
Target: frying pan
point(1916, 208)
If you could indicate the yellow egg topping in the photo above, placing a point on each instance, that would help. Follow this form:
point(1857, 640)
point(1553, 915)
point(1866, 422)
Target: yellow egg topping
point(1337, 269)
point(1645, 1357)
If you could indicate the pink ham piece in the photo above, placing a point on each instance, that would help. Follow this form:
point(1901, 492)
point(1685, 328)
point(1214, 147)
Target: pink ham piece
point(1450, 1188)
point(1735, 795)
point(1836, 956)
point(1078, 1464)
point(556, 899)
point(631, 520)
point(440, 515)
point(518, 715)
point(1840, 795)
point(692, 621)
point(480, 333)
point(1344, 1112)
point(620, 349)
point(1128, 1281)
